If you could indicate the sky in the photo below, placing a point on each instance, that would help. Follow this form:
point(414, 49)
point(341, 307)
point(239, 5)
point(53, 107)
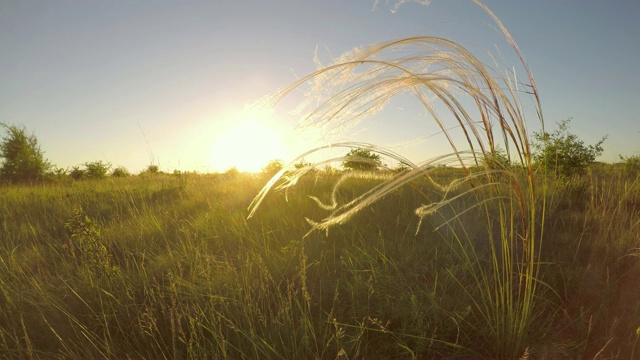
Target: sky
point(134, 83)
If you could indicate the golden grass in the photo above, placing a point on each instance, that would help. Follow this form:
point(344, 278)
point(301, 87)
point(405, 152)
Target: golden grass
point(439, 73)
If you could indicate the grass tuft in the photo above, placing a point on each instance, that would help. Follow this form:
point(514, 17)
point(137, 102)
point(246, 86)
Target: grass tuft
point(503, 263)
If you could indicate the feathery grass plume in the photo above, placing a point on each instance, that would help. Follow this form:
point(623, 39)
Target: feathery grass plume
point(439, 72)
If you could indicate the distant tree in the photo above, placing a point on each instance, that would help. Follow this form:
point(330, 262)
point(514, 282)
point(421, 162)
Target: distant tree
point(301, 164)
point(308, 167)
point(120, 171)
point(76, 173)
point(329, 170)
point(23, 160)
point(151, 169)
point(272, 167)
point(562, 153)
point(96, 169)
point(362, 160)
point(231, 173)
point(401, 168)
point(56, 174)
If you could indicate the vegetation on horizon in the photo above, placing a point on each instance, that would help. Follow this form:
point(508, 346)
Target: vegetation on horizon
point(22, 158)
point(563, 153)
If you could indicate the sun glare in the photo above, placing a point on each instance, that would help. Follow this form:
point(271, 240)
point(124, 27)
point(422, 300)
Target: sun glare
point(248, 144)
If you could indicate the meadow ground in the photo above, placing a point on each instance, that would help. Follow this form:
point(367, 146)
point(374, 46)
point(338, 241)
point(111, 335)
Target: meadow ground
point(169, 266)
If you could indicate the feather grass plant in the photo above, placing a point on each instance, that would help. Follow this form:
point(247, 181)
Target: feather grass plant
point(440, 73)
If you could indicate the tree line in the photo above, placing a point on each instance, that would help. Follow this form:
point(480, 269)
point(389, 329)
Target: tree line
point(23, 161)
point(560, 152)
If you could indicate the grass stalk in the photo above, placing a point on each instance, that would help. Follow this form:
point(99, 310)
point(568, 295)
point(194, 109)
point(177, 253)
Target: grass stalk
point(438, 72)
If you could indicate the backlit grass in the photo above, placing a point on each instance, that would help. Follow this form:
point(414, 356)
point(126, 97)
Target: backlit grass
point(189, 277)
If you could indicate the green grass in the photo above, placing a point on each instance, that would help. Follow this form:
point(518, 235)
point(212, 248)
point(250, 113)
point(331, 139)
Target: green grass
point(188, 276)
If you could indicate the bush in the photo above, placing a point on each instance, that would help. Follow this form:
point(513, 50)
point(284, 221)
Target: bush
point(563, 153)
point(120, 171)
point(152, 169)
point(76, 173)
point(23, 159)
point(631, 165)
point(301, 164)
point(56, 174)
point(272, 168)
point(309, 168)
point(401, 168)
point(85, 244)
point(362, 160)
point(96, 169)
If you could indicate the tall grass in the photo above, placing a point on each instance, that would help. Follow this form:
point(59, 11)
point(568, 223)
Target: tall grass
point(166, 267)
point(595, 242)
point(503, 262)
point(169, 267)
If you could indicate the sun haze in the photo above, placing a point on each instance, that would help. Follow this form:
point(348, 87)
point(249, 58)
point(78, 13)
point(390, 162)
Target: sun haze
point(248, 143)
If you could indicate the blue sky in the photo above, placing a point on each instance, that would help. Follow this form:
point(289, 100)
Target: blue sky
point(130, 82)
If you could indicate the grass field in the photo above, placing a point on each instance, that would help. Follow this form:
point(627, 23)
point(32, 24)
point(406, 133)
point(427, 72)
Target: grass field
point(168, 266)
point(477, 253)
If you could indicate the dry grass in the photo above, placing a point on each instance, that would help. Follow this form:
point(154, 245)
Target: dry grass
point(440, 73)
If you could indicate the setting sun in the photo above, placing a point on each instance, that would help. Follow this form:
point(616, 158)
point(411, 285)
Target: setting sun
point(248, 144)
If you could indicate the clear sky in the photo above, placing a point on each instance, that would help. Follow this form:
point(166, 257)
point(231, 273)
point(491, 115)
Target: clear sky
point(130, 82)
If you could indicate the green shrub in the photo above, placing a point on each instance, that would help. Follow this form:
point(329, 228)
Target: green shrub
point(120, 171)
point(361, 160)
point(85, 243)
point(562, 153)
point(77, 174)
point(23, 160)
point(151, 169)
point(57, 174)
point(96, 169)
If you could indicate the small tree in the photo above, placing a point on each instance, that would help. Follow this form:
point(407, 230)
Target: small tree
point(76, 173)
point(301, 164)
point(401, 168)
point(362, 160)
point(308, 167)
point(151, 169)
point(121, 171)
point(96, 169)
point(562, 152)
point(231, 173)
point(56, 174)
point(23, 160)
point(272, 168)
